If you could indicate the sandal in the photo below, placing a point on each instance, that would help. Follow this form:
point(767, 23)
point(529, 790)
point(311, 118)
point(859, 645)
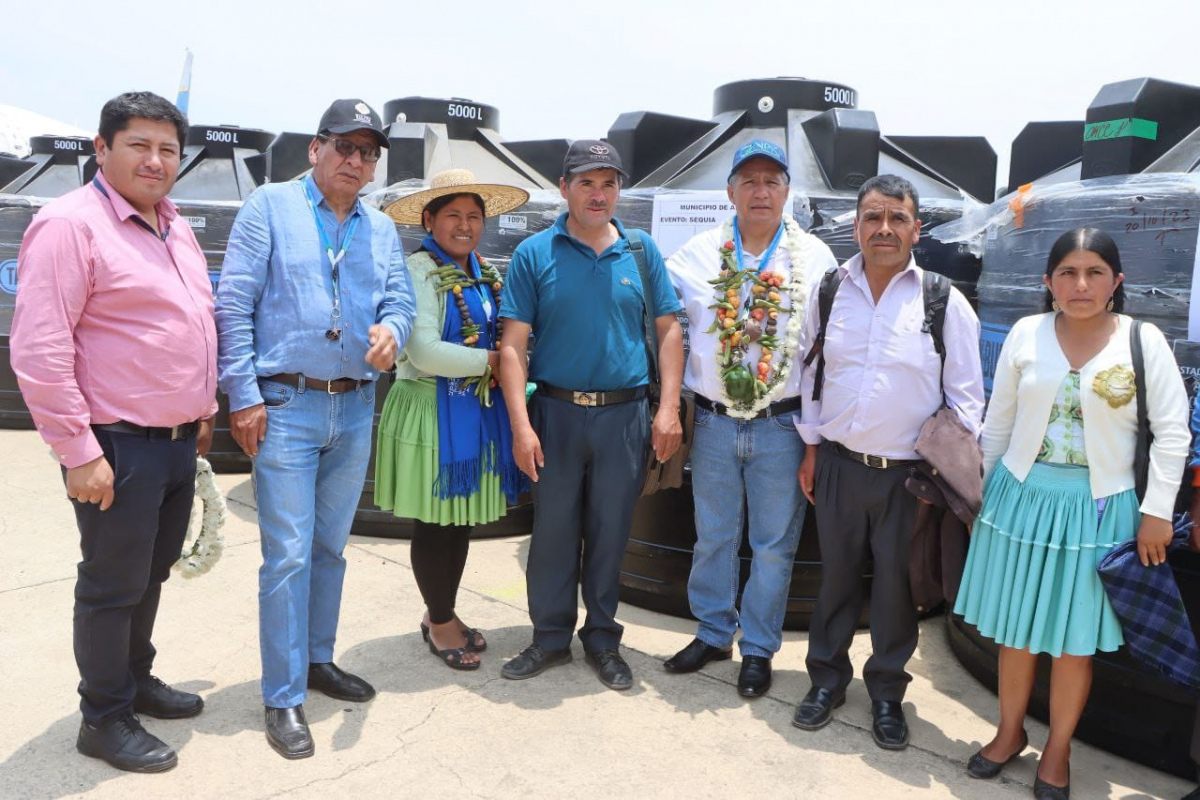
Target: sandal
point(453, 657)
point(475, 641)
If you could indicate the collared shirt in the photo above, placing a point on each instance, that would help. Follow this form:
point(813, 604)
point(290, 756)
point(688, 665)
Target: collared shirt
point(275, 297)
point(113, 320)
point(883, 378)
point(586, 310)
point(691, 269)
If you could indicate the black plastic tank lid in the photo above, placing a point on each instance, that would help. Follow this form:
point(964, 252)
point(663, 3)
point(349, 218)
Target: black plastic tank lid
point(460, 116)
point(769, 99)
point(64, 149)
point(221, 140)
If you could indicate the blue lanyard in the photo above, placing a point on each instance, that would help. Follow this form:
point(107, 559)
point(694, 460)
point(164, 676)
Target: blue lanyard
point(334, 260)
point(766, 256)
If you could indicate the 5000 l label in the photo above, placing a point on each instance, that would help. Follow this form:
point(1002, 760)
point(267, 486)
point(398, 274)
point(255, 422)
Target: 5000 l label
point(464, 112)
point(67, 144)
point(835, 95)
point(229, 137)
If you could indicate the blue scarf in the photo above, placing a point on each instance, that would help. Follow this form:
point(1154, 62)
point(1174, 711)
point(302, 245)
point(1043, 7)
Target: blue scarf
point(472, 439)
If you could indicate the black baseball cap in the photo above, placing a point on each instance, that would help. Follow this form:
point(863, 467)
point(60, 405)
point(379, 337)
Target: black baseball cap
point(346, 116)
point(585, 155)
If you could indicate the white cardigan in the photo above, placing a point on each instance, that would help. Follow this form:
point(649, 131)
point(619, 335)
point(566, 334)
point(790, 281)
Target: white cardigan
point(1029, 372)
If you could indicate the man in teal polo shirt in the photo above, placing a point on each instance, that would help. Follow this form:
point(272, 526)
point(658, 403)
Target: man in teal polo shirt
point(582, 439)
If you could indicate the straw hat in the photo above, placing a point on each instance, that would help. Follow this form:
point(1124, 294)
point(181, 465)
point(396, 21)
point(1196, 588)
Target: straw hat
point(497, 198)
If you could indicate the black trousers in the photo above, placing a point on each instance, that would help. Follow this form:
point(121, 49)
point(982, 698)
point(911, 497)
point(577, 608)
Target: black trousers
point(862, 511)
point(582, 511)
point(127, 553)
point(439, 556)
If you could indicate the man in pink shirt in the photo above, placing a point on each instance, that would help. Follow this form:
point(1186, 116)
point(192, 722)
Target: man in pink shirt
point(114, 346)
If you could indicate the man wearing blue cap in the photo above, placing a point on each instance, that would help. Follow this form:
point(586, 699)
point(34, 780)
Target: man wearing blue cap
point(744, 287)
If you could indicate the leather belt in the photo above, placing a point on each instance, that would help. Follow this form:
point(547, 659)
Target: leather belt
point(874, 462)
point(185, 431)
point(592, 398)
point(774, 410)
point(335, 386)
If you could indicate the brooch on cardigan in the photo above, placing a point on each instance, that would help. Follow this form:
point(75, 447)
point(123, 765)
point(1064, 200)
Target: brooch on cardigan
point(1116, 384)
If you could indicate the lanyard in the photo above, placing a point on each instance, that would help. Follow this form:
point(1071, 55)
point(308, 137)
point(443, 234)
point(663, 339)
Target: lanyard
point(766, 256)
point(334, 260)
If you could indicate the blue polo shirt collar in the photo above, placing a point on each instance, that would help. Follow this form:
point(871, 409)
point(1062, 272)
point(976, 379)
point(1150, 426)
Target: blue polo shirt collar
point(621, 245)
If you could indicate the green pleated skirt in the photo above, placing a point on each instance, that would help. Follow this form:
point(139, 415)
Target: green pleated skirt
point(1030, 581)
point(406, 463)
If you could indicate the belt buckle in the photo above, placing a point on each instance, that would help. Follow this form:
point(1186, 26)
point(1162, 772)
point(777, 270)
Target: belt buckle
point(329, 387)
point(177, 433)
point(584, 398)
point(876, 462)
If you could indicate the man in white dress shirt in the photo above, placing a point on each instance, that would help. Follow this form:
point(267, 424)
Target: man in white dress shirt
point(745, 371)
point(882, 380)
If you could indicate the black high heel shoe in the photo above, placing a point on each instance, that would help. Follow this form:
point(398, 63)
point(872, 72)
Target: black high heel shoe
point(979, 766)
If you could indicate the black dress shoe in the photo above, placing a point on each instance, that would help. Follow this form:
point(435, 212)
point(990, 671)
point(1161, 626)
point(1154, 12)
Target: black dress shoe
point(155, 699)
point(889, 729)
point(339, 684)
point(610, 668)
point(695, 656)
point(1048, 791)
point(981, 767)
point(755, 677)
point(125, 744)
point(816, 709)
point(533, 661)
point(287, 732)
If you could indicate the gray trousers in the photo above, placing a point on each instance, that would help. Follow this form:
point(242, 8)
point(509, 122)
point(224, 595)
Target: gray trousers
point(862, 511)
point(582, 511)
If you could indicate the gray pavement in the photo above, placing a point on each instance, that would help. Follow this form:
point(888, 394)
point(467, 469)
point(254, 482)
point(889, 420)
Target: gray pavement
point(433, 730)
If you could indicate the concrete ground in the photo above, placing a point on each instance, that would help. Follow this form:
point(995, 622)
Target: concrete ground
point(432, 730)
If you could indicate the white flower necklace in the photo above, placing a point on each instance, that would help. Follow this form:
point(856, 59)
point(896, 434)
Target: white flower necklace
point(738, 330)
point(208, 545)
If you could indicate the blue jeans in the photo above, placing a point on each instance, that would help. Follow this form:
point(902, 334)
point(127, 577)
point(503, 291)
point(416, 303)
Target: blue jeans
point(308, 477)
point(739, 464)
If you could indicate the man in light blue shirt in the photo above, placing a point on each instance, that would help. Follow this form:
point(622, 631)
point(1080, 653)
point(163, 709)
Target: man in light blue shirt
point(314, 302)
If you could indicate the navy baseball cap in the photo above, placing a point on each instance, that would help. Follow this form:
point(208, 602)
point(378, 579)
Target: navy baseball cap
point(759, 148)
point(585, 155)
point(345, 116)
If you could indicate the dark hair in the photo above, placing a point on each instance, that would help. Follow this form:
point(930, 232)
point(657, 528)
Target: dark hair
point(438, 203)
point(1094, 241)
point(889, 186)
point(117, 113)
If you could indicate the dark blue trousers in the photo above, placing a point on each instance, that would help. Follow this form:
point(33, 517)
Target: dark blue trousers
point(582, 511)
point(127, 553)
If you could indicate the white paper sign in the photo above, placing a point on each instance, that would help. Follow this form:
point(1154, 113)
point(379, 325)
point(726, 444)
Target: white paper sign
point(678, 216)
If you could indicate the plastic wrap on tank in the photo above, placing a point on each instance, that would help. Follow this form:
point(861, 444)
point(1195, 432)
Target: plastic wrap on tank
point(1154, 220)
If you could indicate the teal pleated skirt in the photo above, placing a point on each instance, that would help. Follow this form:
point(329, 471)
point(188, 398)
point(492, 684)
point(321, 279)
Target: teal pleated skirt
point(406, 463)
point(1030, 580)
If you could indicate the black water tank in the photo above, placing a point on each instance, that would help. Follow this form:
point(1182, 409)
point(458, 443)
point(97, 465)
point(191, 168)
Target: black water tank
point(846, 143)
point(647, 140)
point(768, 100)
point(1041, 148)
point(1131, 123)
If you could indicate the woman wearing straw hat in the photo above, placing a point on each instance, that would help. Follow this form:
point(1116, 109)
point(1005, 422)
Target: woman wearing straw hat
point(444, 454)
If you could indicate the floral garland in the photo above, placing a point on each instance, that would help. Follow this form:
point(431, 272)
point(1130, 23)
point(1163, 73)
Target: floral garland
point(207, 547)
point(453, 279)
point(742, 393)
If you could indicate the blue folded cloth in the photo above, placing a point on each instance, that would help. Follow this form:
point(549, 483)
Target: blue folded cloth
point(1153, 619)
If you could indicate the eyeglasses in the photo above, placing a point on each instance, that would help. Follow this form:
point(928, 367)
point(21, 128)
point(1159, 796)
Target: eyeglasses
point(346, 148)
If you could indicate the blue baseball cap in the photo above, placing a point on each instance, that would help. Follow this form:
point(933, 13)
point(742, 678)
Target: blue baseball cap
point(759, 148)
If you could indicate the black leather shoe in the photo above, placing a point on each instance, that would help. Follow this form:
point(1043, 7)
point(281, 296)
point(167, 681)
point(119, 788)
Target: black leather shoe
point(125, 744)
point(610, 668)
point(533, 661)
point(339, 684)
point(155, 699)
point(980, 767)
point(695, 656)
point(816, 709)
point(755, 677)
point(1048, 791)
point(287, 732)
point(889, 729)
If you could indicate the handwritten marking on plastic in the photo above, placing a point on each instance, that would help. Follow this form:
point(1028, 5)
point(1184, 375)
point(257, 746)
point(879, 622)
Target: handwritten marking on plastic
point(1161, 221)
point(1119, 128)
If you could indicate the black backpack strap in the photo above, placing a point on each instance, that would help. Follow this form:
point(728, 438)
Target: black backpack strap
point(825, 297)
point(935, 289)
point(637, 248)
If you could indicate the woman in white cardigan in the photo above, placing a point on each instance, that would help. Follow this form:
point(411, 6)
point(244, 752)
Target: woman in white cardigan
point(1058, 446)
